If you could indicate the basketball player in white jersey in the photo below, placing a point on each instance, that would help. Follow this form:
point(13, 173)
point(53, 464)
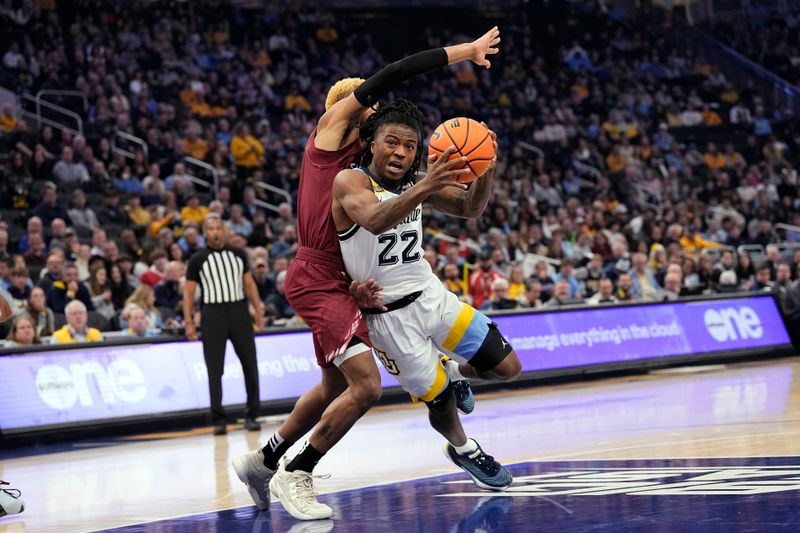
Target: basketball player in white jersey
point(377, 210)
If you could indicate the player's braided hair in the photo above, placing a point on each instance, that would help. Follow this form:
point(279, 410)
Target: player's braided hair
point(401, 111)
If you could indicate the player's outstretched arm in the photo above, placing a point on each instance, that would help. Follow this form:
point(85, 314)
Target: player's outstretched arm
point(466, 204)
point(334, 123)
point(355, 203)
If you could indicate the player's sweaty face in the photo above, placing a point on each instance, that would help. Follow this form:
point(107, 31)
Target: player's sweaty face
point(394, 150)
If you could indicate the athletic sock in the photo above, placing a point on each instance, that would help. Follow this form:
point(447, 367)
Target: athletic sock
point(452, 370)
point(274, 450)
point(306, 460)
point(469, 447)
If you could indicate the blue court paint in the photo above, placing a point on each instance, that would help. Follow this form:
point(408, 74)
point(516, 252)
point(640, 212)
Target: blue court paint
point(653, 496)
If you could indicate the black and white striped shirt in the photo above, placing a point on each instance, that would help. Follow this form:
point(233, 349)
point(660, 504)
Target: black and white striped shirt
point(219, 274)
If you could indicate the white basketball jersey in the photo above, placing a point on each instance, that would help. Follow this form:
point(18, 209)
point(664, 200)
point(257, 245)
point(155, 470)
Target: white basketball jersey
point(395, 258)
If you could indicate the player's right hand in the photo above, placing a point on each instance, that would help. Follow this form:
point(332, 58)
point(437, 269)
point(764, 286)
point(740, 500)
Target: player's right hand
point(441, 173)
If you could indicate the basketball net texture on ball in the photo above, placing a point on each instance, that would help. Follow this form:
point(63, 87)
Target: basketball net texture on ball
point(471, 139)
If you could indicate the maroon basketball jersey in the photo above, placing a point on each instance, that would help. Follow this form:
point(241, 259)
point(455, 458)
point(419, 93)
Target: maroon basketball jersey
point(315, 228)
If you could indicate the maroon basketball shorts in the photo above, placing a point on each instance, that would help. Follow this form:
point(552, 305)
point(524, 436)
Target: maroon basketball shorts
point(320, 295)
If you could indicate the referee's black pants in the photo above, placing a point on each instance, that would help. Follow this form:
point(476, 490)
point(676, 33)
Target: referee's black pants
point(220, 322)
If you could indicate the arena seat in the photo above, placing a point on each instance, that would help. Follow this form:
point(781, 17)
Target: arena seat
point(96, 320)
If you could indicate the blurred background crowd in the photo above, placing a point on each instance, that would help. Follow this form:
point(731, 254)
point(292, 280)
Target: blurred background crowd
point(629, 169)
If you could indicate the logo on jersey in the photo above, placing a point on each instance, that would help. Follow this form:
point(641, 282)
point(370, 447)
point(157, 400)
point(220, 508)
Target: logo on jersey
point(657, 481)
point(412, 217)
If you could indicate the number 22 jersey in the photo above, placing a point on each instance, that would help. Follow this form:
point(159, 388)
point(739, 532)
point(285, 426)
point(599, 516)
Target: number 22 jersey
point(395, 258)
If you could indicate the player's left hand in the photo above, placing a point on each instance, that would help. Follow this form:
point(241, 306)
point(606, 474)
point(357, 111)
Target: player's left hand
point(367, 294)
point(486, 45)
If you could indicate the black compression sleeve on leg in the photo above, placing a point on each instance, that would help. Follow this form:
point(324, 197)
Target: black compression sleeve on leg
point(442, 399)
point(389, 77)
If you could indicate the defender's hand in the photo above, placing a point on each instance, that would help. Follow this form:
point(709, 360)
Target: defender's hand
point(368, 295)
point(486, 45)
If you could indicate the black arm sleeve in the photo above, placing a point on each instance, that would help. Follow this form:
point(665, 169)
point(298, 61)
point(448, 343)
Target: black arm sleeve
point(389, 77)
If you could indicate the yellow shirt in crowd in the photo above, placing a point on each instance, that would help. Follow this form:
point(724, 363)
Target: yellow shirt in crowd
point(715, 161)
point(246, 151)
point(140, 216)
point(195, 148)
point(191, 214)
point(515, 290)
point(66, 335)
point(8, 123)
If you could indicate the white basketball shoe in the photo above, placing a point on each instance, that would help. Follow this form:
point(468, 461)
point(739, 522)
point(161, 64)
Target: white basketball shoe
point(10, 500)
point(251, 471)
point(295, 490)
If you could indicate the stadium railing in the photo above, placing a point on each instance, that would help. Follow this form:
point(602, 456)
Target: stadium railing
point(64, 95)
point(213, 185)
point(739, 69)
point(50, 114)
point(129, 139)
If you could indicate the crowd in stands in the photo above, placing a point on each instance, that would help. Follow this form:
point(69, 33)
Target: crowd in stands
point(768, 37)
point(627, 171)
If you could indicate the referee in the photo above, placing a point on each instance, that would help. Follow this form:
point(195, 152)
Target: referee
point(223, 274)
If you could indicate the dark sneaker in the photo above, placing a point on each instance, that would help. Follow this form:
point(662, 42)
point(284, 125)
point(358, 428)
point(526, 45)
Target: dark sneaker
point(221, 428)
point(251, 424)
point(465, 400)
point(483, 469)
point(10, 500)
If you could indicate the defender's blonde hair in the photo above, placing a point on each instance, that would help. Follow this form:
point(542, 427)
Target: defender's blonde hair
point(341, 89)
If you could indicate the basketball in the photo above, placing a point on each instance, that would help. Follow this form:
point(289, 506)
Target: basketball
point(471, 139)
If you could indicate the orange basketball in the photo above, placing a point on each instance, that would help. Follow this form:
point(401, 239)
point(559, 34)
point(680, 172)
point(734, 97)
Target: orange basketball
point(471, 140)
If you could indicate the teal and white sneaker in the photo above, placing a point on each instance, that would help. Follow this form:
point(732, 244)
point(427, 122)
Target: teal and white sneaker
point(465, 400)
point(483, 469)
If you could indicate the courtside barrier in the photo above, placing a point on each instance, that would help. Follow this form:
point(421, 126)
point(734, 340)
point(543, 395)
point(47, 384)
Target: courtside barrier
point(93, 384)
